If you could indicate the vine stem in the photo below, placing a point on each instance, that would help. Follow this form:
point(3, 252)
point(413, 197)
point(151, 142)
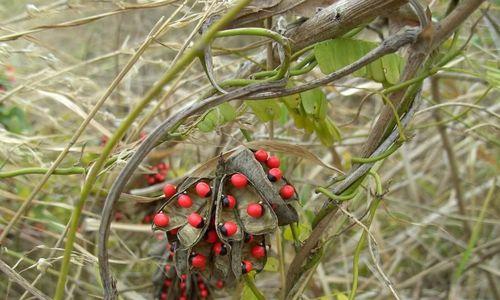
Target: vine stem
point(186, 59)
point(35, 170)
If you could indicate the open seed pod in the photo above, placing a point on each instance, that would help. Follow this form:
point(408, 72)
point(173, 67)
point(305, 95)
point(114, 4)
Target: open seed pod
point(217, 226)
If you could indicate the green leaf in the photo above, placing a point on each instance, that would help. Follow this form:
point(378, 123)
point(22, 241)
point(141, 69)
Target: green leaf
point(292, 101)
point(272, 265)
point(207, 124)
point(326, 131)
point(13, 119)
point(247, 294)
point(303, 231)
point(391, 67)
point(265, 110)
point(341, 296)
point(227, 112)
point(314, 103)
point(216, 117)
point(376, 71)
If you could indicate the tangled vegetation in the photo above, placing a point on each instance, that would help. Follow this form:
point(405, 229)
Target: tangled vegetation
point(281, 149)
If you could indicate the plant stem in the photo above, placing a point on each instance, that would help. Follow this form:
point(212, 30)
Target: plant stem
point(171, 73)
point(251, 284)
point(373, 159)
point(360, 246)
point(36, 170)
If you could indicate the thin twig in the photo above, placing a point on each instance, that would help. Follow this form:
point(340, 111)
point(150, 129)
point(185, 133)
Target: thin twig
point(13, 275)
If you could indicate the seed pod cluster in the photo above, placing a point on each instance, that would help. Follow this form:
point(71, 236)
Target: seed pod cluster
point(218, 226)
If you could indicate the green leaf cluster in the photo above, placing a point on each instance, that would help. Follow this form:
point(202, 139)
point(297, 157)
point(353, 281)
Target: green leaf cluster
point(332, 55)
point(309, 112)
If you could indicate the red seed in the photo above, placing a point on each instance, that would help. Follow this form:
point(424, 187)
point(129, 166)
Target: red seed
point(287, 191)
point(229, 201)
point(147, 219)
point(261, 155)
point(167, 269)
point(119, 216)
point(184, 277)
point(204, 293)
point(159, 177)
point(151, 180)
point(219, 284)
point(219, 248)
point(163, 166)
point(239, 180)
point(182, 285)
point(211, 236)
point(246, 266)
point(258, 251)
point(229, 228)
point(184, 201)
point(161, 220)
point(255, 210)
point(195, 220)
point(199, 261)
point(248, 237)
point(274, 174)
point(164, 296)
point(174, 231)
point(203, 189)
point(169, 190)
point(167, 282)
point(201, 285)
point(183, 297)
point(273, 162)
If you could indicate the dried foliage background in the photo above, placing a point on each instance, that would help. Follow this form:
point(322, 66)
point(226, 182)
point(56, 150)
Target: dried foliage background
point(440, 211)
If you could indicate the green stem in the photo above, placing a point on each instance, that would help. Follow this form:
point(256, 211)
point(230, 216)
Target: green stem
point(281, 258)
point(296, 236)
point(170, 74)
point(36, 170)
point(362, 160)
point(332, 196)
point(285, 64)
point(359, 247)
point(378, 182)
point(348, 194)
point(302, 51)
point(251, 284)
point(476, 232)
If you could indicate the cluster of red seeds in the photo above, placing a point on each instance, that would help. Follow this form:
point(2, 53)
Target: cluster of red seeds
point(179, 286)
point(199, 256)
point(227, 228)
point(158, 173)
point(274, 173)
